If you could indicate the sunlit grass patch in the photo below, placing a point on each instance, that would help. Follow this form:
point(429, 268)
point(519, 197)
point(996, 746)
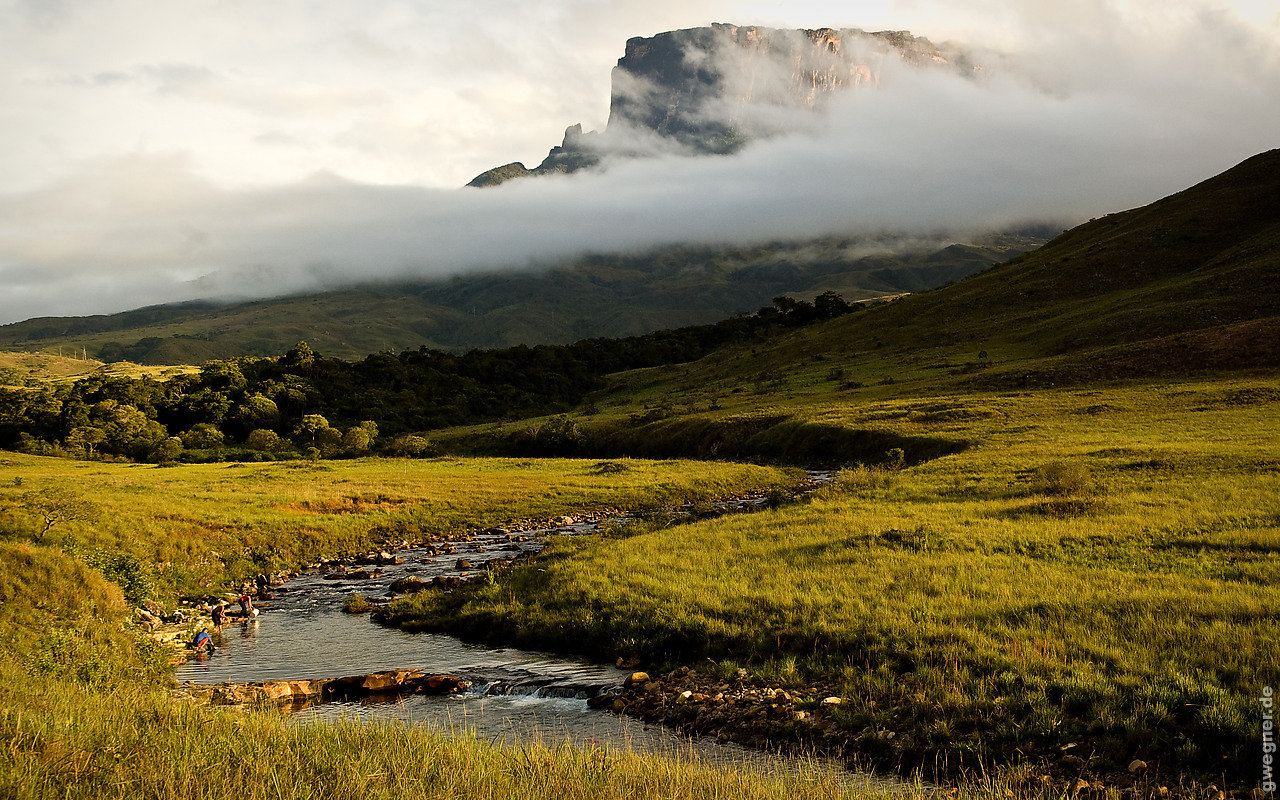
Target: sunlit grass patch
point(1107, 577)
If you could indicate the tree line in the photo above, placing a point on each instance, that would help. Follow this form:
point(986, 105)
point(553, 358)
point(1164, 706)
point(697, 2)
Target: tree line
point(305, 404)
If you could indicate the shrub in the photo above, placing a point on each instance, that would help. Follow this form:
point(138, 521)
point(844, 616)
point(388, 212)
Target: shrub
point(357, 603)
point(203, 436)
point(862, 478)
point(131, 574)
point(263, 439)
point(1065, 479)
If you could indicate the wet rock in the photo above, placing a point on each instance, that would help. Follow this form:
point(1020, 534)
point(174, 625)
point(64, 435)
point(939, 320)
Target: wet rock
point(359, 575)
point(442, 684)
point(408, 585)
point(636, 679)
point(462, 563)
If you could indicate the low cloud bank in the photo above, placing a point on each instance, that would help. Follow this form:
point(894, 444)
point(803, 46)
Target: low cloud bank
point(1071, 129)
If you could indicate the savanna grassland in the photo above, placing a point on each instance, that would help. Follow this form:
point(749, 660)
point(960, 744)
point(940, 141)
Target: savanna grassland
point(1098, 570)
point(201, 526)
point(85, 708)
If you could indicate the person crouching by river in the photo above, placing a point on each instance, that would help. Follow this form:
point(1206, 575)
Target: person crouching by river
point(219, 614)
point(203, 643)
point(246, 607)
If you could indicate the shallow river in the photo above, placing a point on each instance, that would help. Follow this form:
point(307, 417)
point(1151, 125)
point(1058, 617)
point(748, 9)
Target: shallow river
point(515, 695)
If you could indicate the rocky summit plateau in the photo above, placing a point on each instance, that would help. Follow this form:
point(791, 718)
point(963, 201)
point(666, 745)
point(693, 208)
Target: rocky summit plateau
point(703, 91)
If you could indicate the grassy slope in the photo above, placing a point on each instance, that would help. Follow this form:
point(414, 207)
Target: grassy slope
point(975, 604)
point(82, 716)
point(19, 369)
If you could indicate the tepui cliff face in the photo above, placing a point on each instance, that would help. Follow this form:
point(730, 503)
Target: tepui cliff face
point(711, 90)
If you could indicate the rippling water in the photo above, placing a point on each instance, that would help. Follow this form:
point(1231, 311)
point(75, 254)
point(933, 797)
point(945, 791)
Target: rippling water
point(516, 695)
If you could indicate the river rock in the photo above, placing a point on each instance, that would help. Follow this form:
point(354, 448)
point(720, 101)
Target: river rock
point(146, 620)
point(408, 585)
point(399, 681)
point(276, 690)
point(376, 682)
point(636, 679)
point(462, 563)
point(442, 684)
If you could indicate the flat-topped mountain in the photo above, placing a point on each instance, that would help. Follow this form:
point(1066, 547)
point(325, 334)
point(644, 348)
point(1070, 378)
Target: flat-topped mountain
point(711, 90)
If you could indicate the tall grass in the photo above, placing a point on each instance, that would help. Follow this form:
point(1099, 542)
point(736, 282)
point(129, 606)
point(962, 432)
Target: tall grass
point(85, 713)
point(139, 743)
point(198, 526)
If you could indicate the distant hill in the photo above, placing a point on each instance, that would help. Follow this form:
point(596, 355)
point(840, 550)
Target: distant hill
point(1188, 284)
point(604, 295)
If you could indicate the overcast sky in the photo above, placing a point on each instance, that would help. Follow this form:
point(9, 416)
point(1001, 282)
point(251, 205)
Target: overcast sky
point(157, 151)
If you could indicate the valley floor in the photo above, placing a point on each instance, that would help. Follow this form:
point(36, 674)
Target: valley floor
point(1090, 583)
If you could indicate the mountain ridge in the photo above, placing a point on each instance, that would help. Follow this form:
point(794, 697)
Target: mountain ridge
point(600, 295)
point(702, 91)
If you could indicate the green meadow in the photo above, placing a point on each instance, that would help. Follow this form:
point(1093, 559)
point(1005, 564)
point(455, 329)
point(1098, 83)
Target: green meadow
point(200, 526)
point(1097, 569)
point(85, 704)
point(1094, 567)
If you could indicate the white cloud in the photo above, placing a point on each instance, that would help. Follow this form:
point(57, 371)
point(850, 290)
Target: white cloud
point(158, 153)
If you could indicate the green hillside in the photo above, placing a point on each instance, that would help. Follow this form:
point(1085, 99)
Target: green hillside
point(603, 295)
point(1185, 285)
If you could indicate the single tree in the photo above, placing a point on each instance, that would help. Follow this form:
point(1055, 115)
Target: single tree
point(56, 506)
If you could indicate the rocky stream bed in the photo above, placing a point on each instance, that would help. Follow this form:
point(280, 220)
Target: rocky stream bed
point(305, 655)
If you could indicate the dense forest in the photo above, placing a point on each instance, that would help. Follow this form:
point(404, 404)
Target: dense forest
point(305, 404)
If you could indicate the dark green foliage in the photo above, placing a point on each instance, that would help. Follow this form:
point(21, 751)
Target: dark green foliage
point(134, 577)
point(335, 407)
point(768, 438)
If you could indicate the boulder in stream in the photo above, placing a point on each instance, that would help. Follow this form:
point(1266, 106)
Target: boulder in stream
point(408, 585)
